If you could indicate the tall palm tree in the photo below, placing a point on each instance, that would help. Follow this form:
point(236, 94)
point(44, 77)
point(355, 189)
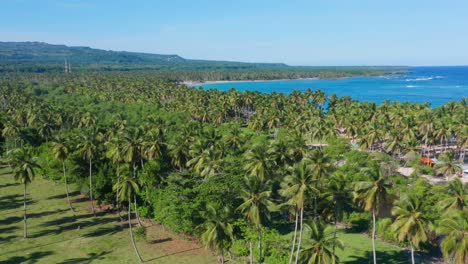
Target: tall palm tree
point(60, 151)
point(454, 245)
point(339, 195)
point(88, 148)
point(372, 194)
point(449, 165)
point(318, 245)
point(322, 166)
point(217, 230)
point(257, 205)
point(125, 189)
point(259, 160)
point(458, 193)
point(410, 224)
point(296, 186)
point(24, 166)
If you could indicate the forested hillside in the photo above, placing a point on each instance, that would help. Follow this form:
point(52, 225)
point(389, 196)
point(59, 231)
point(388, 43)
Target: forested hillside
point(38, 57)
point(275, 177)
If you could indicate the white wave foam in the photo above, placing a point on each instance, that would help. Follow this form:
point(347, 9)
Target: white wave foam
point(411, 86)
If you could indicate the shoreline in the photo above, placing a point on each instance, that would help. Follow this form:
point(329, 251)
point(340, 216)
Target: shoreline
point(198, 83)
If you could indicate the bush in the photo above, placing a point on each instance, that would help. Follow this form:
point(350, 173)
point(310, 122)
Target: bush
point(140, 233)
point(359, 221)
point(144, 211)
point(384, 230)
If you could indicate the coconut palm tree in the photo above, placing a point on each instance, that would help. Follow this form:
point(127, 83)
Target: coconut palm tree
point(217, 230)
point(449, 165)
point(371, 195)
point(257, 205)
point(410, 224)
point(454, 245)
point(296, 187)
point(24, 166)
point(125, 189)
point(60, 151)
point(339, 196)
point(88, 148)
point(322, 166)
point(318, 245)
point(458, 196)
point(259, 161)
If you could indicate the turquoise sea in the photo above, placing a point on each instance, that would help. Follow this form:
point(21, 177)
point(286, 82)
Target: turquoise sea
point(436, 85)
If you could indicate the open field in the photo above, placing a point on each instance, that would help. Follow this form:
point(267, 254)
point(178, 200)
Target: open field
point(59, 236)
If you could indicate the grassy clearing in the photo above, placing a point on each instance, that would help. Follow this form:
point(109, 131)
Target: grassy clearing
point(59, 236)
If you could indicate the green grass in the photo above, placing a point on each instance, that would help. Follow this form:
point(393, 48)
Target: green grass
point(59, 236)
point(358, 249)
point(56, 235)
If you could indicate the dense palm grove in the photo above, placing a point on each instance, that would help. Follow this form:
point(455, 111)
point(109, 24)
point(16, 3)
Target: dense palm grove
point(264, 177)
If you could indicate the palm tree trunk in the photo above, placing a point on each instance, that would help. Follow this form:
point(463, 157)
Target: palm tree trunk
point(25, 214)
point(334, 232)
point(131, 232)
point(251, 252)
point(66, 186)
point(412, 253)
point(136, 211)
point(91, 186)
point(294, 237)
point(222, 256)
point(315, 207)
point(300, 235)
point(373, 236)
point(260, 261)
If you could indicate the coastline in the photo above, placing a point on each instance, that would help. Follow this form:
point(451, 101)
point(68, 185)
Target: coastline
point(198, 83)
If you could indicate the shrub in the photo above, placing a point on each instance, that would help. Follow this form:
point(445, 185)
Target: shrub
point(359, 221)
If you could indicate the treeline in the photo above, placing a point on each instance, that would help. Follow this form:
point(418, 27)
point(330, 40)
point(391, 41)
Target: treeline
point(240, 169)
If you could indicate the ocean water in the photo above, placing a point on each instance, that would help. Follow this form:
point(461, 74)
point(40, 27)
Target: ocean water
point(436, 85)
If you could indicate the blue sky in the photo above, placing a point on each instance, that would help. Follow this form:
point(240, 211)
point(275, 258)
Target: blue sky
point(313, 32)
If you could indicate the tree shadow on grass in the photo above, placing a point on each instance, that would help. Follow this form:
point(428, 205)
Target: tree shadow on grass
point(6, 239)
point(89, 259)
point(14, 202)
point(30, 258)
point(103, 231)
point(10, 220)
point(7, 230)
point(383, 257)
point(162, 240)
point(63, 196)
point(72, 223)
point(8, 184)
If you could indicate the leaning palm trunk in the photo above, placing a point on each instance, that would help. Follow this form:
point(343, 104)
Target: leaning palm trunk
point(294, 238)
point(300, 236)
point(66, 187)
point(91, 186)
point(334, 231)
point(412, 253)
point(373, 236)
point(251, 252)
point(131, 232)
point(25, 215)
point(136, 211)
point(134, 197)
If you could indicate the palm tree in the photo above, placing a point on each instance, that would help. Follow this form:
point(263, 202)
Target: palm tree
point(259, 161)
point(458, 193)
point(370, 195)
point(257, 204)
point(295, 188)
point(410, 224)
point(321, 165)
point(125, 189)
point(87, 147)
point(454, 245)
point(318, 245)
point(217, 230)
point(23, 169)
point(339, 195)
point(60, 151)
point(449, 165)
